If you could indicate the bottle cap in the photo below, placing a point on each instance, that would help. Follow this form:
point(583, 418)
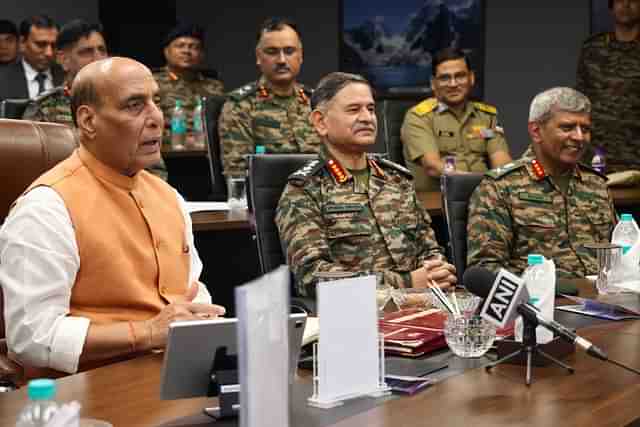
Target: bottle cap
point(41, 389)
point(260, 149)
point(535, 259)
point(178, 103)
point(626, 217)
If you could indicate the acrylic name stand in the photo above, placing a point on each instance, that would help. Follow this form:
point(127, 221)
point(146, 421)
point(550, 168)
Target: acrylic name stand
point(348, 360)
point(316, 400)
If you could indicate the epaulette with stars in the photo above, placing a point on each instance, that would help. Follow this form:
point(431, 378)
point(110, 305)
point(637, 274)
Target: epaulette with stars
point(244, 91)
point(394, 166)
point(504, 170)
point(310, 169)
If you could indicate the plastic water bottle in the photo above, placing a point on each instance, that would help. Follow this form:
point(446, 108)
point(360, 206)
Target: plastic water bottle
point(178, 127)
point(198, 127)
point(540, 279)
point(626, 232)
point(598, 162)
point(41, 407)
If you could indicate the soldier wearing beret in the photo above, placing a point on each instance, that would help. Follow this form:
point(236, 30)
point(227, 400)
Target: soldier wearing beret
point(270, 115)
point(183, 78)
point(548, 203)
point(609, 74)
point(451, 125)
point(350, 211)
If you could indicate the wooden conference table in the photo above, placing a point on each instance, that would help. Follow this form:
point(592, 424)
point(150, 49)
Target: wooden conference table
point(127, 394)
point(432, 201)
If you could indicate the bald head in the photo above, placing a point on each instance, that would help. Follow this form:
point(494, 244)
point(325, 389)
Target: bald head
point(97, 79)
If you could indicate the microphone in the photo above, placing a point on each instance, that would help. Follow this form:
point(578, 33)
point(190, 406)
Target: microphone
point(506, 297)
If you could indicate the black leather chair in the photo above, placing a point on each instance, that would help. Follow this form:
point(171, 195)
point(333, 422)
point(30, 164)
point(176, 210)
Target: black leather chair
point(268, 175)
point(211, 109)
point(390, 117)
point(456, 192)
point(13, 108)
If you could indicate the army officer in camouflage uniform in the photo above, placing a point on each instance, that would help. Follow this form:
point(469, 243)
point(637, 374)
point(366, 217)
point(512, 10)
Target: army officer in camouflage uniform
point(181, 79)
point(609, 74)
point(450, 124)
point(272, 114)
point(79, 43)
point(549, 203)
point(351, 212)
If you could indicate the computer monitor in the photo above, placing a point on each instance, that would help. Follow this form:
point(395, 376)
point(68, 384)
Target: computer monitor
point(192, 347)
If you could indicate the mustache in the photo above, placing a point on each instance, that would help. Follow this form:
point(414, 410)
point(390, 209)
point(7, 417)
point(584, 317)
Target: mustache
point(365, 126)
point(281, 67)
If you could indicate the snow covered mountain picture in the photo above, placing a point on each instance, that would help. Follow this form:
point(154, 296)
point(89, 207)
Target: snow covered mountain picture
point(392, 42)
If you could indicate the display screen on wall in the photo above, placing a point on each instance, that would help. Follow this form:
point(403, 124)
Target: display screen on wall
point(392, 42)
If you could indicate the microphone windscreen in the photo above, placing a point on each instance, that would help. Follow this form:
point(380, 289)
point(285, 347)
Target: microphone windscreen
point(478, 280)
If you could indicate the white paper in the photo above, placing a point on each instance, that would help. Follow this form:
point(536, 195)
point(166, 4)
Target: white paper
point(207, 206)
point(348, 350)
point(262, 307)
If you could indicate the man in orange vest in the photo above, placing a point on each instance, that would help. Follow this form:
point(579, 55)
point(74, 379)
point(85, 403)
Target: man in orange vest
point(97, 256)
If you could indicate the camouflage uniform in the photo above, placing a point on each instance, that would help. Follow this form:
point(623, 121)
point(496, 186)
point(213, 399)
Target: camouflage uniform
point(53, 106)
point(609, 74)
point(432, 127)
point(330, 222)
point(255, 116)
point(188, 90)
point(517, 209)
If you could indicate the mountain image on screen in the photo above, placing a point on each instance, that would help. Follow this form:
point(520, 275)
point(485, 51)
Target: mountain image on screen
point(392, 43)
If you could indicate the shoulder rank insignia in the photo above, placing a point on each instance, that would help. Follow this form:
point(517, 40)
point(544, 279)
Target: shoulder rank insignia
point(395, 166)
point(309, 169)
point(244, 91)
point(590, 169)
point(302, 96)
point(503, 170)
point(485, 107)
point(426, 106)
point(538, 170)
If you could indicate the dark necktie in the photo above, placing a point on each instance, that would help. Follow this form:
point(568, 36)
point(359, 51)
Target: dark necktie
point(40, 78)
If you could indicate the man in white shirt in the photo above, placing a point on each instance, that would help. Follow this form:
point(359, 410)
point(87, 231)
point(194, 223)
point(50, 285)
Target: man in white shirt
point(97, 257)
point(35, 72)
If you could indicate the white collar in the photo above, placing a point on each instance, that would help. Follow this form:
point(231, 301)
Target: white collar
point(31, 72)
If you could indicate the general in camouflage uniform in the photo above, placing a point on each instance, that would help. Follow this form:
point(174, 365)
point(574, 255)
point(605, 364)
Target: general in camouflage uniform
point(254, 116)
point(609, 74)
point(186, 87)
point(331, 222)
point(432, 126)
point(53, 106)
point(548, 203)
point(514, 213)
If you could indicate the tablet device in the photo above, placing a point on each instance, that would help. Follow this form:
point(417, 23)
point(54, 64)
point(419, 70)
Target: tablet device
point(192, 346)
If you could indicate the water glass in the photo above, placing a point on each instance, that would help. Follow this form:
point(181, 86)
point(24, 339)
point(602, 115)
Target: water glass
point(469, 336)
point(237, 193)
point(405, 298)
point(383, 296)
point(608, 256)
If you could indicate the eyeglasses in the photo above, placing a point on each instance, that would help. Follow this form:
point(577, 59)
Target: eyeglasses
point(445, 79)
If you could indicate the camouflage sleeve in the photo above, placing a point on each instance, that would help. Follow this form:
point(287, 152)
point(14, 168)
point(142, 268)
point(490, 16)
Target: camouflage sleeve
point(34, 113)
point(302, 230)
point(236, 137)
point(418, 136)
point(430, 249)
point(489, 229)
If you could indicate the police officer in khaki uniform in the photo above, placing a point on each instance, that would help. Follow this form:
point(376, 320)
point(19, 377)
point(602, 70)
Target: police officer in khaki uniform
point(451, 125)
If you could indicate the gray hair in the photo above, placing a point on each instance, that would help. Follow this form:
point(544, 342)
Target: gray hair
point(557, 99)
point(330, 85)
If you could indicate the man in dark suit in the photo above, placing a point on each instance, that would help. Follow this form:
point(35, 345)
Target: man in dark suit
point(36, 71)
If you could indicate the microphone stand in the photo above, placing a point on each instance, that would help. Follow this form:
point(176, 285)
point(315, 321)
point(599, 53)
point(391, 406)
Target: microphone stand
point(529, 348)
